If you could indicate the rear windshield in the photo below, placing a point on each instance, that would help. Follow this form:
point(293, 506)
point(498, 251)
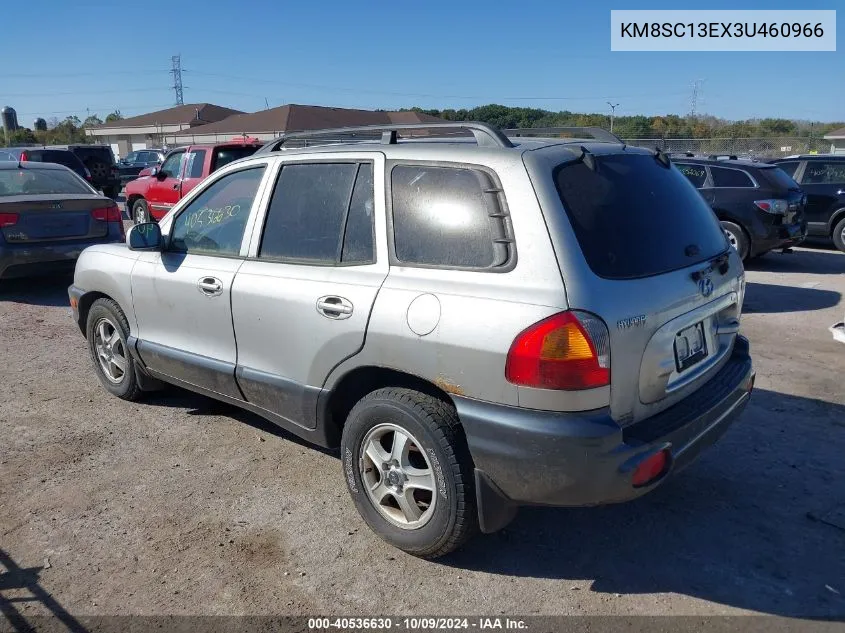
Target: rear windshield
point(225, 155)
point(34, 182)
point(634, 217)
point(779, 178)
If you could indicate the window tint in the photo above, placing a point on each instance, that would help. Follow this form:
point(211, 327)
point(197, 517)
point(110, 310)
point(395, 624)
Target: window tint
point(778, 178)
point(195, 161)
point(696, 174)
point(307, 212)
point(442, 216)
point(213, 223)
point(635, 218)
point(14, 182)
point(132, 157)
point(172, 167)
point(358, 237)
point(824, 173)
point(730, 178)
point(789, 167)
point(225, 155)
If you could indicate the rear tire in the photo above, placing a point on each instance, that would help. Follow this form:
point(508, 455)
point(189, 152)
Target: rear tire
point(839, 235)
point(420, 499)
point(738, 239)
point(141, 212)
point(107, 330)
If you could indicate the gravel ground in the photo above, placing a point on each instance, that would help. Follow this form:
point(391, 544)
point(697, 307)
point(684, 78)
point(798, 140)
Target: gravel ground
point(182, 505)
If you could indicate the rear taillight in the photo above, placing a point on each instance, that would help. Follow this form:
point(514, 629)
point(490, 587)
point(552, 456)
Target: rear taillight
point(23, 157)
point(109, 214)
point(569, 350)
point(8, 219)
point(775, 207)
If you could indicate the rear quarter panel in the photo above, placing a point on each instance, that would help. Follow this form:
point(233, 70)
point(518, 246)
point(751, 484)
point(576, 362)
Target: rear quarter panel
point(107, 268)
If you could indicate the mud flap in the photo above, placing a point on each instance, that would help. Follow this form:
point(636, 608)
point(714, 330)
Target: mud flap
point(495, 511)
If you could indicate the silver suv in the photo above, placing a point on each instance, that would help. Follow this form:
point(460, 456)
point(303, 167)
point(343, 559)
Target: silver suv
point(478, 322)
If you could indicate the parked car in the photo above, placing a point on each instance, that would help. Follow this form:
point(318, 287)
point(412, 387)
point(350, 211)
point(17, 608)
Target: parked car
point(760, 207)
point(382, 297)
point(99, 159)
point(822, 177)
point(150, 197)
point(48, 215)
point(129, 168)
point(43, 155)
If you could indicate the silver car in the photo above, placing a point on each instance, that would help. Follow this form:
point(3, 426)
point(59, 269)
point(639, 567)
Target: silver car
point(477, 322)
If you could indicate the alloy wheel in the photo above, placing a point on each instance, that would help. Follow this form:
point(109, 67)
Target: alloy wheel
point(111, 351)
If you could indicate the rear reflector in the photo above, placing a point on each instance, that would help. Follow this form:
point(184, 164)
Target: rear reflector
point(8, 219)
point(652, 468)
point(569, 351)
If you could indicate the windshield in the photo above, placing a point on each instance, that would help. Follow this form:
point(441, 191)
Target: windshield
point(633, 217)
point(34, 182)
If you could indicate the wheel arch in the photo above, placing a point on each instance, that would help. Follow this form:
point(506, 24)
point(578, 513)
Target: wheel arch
point(837, 216)
point(334, 406)
point(85, 303)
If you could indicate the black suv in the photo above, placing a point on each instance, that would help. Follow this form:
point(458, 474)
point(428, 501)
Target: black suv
point(129, 167)
point(760, 207)
point(822, 177)
point(45, 155)
point(99, 159)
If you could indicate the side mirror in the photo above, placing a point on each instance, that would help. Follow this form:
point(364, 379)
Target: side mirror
point(144, 237)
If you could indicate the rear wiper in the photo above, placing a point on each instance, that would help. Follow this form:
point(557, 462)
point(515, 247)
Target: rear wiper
point(722, 263)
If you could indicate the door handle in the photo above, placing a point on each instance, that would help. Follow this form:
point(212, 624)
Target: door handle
point(176, 186)
point(210, 286)
point(333, 307)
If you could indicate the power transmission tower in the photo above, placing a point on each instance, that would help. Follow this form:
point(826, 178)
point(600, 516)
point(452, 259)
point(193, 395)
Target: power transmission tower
point(696, 89)
point(176, 71)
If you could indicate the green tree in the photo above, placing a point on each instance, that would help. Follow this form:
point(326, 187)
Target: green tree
point(21, 136)
point(92, 121)
point(114, 116)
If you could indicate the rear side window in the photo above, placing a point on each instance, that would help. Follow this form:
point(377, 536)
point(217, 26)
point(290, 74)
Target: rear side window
point(635, 218)
point(321, 213)
point(789, 167)
point(225, 155)
point(819, 173)
point(730, 178)
point(194, 163)
point(696, 174)
point(448, 217)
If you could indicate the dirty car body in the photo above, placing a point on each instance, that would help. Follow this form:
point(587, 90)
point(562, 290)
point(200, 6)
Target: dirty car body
point(571, 353)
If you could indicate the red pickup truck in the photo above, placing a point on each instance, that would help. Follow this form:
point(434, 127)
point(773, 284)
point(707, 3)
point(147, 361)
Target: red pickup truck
point(154, 193)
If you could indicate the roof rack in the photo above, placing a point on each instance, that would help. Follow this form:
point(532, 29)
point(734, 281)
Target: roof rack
point(597, 133)
point(483, 133)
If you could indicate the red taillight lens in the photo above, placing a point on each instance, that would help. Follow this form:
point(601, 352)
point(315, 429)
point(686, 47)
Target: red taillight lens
point(8, 219)
point(23, 157)
point(569, 350)
point(107, 214)
point(650, 469)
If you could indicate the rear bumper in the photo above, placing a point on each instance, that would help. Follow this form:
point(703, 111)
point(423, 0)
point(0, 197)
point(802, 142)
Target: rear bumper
point(781, 236)
point(528, 457)
point(24, 260)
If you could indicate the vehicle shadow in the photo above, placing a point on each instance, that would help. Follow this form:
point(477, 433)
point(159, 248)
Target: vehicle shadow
point(47, 290)
point(198, 405)
point(818, 259)
point(16, 579)
point(772, 298)
point(733, 528)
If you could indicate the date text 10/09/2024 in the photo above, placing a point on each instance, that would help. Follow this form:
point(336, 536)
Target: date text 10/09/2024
point(417, 623)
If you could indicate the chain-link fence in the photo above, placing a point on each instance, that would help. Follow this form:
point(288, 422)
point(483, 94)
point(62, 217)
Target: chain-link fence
point(771, 147)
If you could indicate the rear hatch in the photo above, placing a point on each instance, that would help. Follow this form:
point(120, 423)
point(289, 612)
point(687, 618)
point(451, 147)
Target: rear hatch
point(785, 188)
point(640, 248)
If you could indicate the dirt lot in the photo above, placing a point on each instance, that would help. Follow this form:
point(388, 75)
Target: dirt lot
point(182, 505)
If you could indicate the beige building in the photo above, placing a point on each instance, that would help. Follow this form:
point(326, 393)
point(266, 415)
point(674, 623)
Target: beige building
point(151, 130)
point(837, 140)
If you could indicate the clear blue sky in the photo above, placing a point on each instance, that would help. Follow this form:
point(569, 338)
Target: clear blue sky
point(373, 54)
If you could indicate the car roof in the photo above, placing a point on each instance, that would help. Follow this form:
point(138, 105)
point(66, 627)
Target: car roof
point(744, 163)
point(827, 157)
point(13, 164)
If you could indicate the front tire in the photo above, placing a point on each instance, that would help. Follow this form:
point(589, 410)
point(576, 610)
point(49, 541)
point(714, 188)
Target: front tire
point(141, 212)
point(737, 238)
point(409, 471)
point(107, 330)
point(839, 235)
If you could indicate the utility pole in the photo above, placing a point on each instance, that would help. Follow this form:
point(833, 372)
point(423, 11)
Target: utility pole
point(176, 71)
point(612, 113)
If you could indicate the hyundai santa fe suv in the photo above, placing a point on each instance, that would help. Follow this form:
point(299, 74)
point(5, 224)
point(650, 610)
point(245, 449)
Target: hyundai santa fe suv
point(476, 323)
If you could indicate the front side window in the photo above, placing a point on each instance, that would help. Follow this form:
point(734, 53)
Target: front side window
point(214, 222)
point(819, 173)
point(448, 216)
point(321, 213)
point(172, 167)
point(696, 174)
point(730, 178)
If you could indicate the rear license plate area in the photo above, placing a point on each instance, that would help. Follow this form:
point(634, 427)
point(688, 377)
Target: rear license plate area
point(690, 346)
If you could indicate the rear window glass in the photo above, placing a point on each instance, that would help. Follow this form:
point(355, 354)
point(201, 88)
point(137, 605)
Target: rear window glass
point(225, 155)
point(635, 218)
point(34, 182)
point(779, 178)
point(789, 168)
